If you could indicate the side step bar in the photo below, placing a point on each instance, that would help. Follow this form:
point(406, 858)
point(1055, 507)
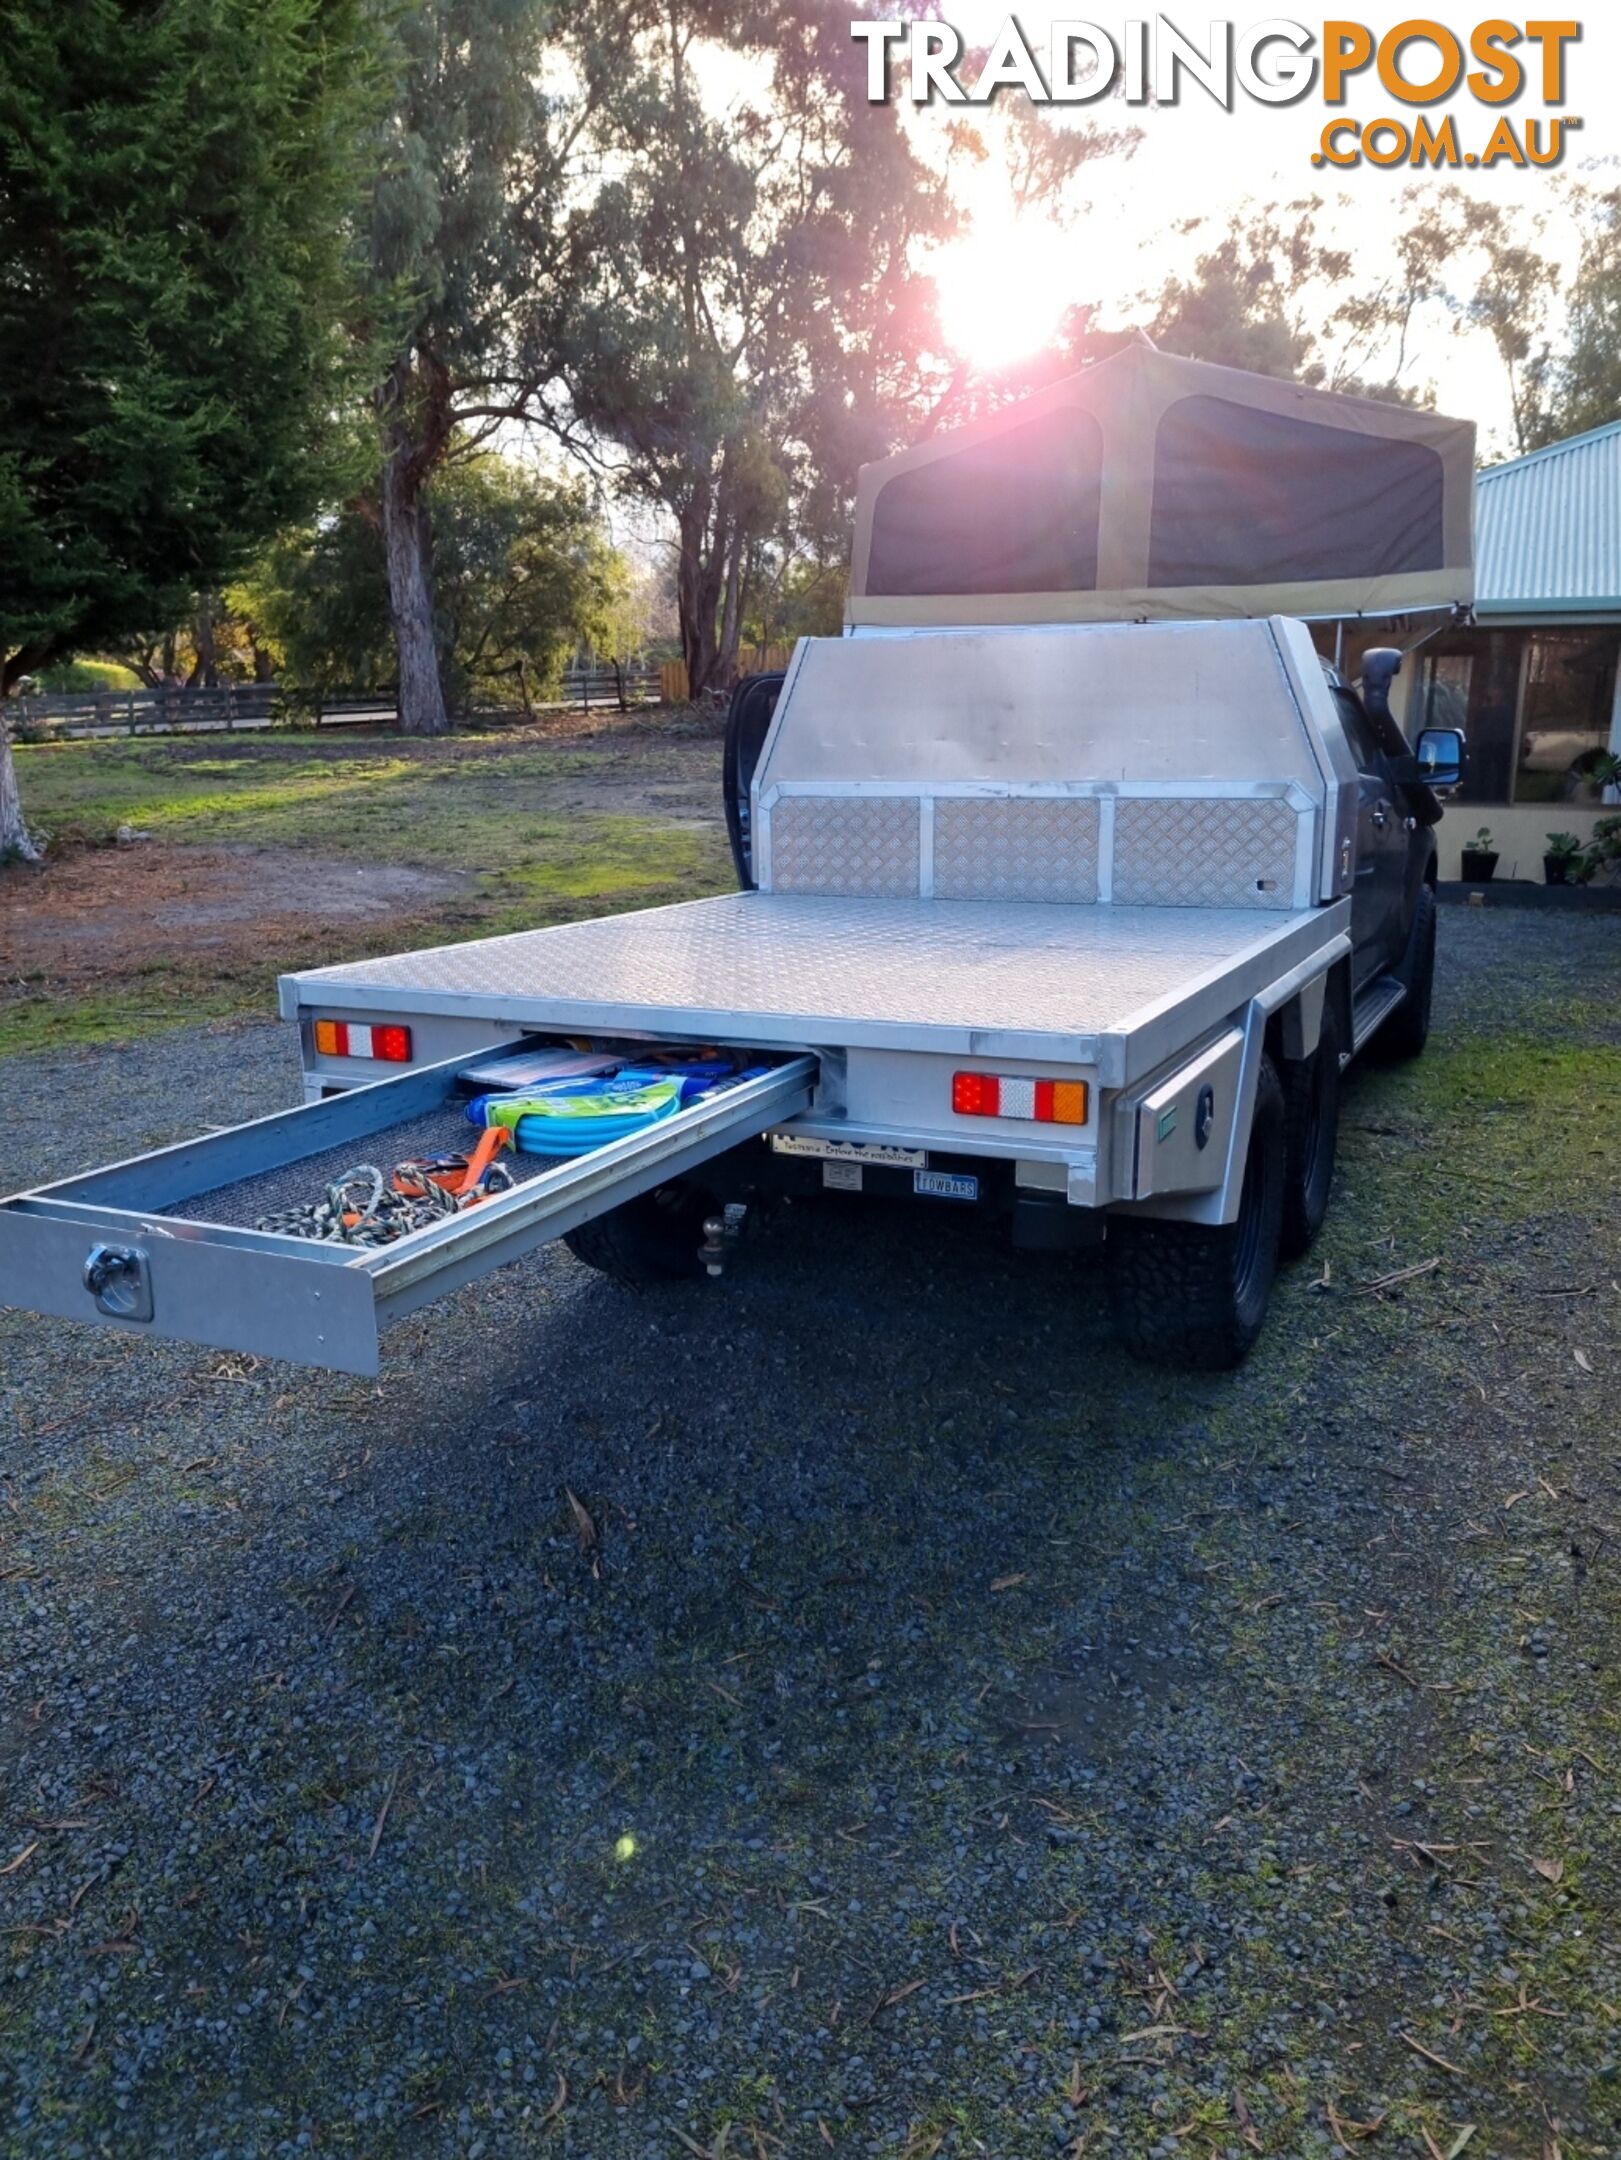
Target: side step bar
point(1374, 1005)
point(104, 1249)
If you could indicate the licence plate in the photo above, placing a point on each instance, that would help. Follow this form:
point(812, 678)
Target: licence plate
point(851, 1151)
point(945, 1185)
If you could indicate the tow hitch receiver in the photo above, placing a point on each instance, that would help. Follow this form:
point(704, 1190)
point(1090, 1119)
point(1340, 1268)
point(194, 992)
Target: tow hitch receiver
point(722, 1235)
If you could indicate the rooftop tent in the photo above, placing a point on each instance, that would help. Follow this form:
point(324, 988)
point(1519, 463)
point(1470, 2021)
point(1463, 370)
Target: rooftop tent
point(1152, 486)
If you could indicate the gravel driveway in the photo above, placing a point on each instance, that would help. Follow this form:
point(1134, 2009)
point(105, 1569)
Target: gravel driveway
point(851, 1708)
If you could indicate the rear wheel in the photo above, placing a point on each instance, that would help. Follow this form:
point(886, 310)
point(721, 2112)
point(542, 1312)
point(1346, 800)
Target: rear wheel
point(1311, 1117)
point(1407, 1030)
point(748, 721)
point(652, 1239)
point(1190, 1294)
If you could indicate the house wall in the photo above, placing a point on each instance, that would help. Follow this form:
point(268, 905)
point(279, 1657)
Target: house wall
point(1499, 660)
point(1519, 834)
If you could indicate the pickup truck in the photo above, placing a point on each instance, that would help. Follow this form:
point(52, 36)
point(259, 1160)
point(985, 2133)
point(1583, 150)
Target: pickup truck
point(1076, 924)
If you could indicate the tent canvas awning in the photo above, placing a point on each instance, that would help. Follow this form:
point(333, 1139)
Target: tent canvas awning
point(1155, 487)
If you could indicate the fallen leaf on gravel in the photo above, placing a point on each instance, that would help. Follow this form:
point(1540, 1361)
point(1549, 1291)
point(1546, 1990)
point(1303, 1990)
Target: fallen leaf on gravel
point(1550, 1870)
point(1246, 2121)
point(584, 1528)
point(1406, 1274)
point(1459, 2142)
point(12, 1866)
point(1008, 1582)
point(382, 1812)
point(559, 2104)
point(1429, 2054)
point(1401, 1672)
point(1583, 1360)
point(895, 1995)
point(1345, 2130)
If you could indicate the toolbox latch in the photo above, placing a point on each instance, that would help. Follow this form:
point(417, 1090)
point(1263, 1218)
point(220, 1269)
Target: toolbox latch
point(119, 1278)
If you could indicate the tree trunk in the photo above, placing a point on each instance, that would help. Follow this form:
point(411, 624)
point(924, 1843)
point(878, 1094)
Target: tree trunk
point(699, 576)
point(15, 838)
point(205, 673)
point(410, 597)
point(731, 620)
point(406, 464)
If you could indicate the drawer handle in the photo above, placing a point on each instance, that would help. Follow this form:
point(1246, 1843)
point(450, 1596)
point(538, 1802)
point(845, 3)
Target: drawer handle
point(119, 1278)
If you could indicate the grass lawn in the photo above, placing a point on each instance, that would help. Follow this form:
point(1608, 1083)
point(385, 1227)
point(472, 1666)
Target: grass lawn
point(262, 853)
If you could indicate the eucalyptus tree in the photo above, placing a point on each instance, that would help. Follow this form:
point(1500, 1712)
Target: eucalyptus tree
point(749, 313)
point(492, 134)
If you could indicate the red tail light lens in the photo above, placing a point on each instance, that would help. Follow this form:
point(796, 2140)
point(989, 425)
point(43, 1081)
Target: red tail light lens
point(976, 1094)
point(1042, 1102)
point(390, 1043)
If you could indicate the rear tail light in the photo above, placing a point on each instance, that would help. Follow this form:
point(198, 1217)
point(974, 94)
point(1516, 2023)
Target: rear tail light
point(1000, 1095)
point(389, 1043)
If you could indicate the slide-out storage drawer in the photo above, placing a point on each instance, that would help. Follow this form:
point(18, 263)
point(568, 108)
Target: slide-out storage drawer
point(167, 1243)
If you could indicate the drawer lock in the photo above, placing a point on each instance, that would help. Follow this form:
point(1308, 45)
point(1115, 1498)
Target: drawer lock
point(119, 1278)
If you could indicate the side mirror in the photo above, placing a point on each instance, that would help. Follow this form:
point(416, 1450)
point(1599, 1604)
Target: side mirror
point(1440, 756)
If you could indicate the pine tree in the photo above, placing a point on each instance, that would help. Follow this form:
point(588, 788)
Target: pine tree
point(173, 258)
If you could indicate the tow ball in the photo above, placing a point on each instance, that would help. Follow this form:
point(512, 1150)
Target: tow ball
point(722, 1234)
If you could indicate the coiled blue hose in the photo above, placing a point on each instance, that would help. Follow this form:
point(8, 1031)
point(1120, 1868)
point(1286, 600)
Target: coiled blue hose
point(544, 1122)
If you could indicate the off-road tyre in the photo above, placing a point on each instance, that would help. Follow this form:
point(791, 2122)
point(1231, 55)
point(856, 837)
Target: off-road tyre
point(1407, 1030)
point(1311, 1123)
point(748, 719)
point(1191, 1295)
point(652, 1239)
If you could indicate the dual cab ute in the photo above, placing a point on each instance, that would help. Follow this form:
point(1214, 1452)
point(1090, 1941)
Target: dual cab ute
point(1079, 923)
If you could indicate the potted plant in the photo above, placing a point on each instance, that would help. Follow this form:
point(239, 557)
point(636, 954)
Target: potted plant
point(1562, 858)
point(1602, 856)
point(1479, 859)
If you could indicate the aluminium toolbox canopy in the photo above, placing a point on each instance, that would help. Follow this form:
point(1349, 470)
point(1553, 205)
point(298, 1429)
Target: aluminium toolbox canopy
point(1155, 487)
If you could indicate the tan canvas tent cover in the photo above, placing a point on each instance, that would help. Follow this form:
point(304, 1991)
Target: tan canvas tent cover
point(1152, 486)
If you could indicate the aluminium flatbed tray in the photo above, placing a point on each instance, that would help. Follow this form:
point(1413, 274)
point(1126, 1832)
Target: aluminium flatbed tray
point(1119, 988)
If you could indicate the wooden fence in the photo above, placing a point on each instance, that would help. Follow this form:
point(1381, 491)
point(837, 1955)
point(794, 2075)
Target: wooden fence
point(233, 708)
point(249, 707)
point(751, 660)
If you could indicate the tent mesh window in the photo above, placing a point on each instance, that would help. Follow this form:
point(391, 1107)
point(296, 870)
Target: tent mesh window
point(1016, 513)
point(1229, 508)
